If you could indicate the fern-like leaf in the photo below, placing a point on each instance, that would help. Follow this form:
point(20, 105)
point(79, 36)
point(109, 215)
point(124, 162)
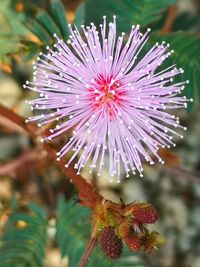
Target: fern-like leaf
point(23, 240)
point(187, 56)
point(56, 9)
point(46, 23)
point(73, 231)
point(128, 12)
point(11, 29)
point(80, 16)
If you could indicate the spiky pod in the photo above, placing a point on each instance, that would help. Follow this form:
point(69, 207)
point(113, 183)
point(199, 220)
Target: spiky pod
point(110, 243)
point(151, 240)
point(145, 215)
point(133, 242)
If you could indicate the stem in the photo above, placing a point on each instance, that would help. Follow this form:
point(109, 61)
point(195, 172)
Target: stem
point(15, 122)
point(26, 159)
point(171, 15)
point(87, 193)
point(49, 191)
point(88, 250)
point(183, 173)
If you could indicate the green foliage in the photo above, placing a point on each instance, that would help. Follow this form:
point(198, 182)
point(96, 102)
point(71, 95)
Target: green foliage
point(80, 16)
point(128, 12)
point(186, 22)
point(31, 50)
point(30, 6)
point(23, 241)
point(187, 56)
point(73, 231)
point(46, 24)
point(57, 11)
point(11, 29)
point(49, 22)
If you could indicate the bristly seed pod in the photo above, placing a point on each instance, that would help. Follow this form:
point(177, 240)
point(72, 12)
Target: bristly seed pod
point(110, 243)
point(145, 215)
point(133, 242)
point(123, 229)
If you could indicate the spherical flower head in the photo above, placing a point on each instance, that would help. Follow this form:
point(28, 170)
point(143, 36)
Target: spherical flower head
point(114, 104)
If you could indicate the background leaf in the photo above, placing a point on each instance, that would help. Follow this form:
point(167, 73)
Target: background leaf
point(48, 23)
point(80, 15)
point(58, 13)
point(23, 241)
point(11, 29)
point(187, 56)
point(51, 21)
point(128, 12)
point(186, 22)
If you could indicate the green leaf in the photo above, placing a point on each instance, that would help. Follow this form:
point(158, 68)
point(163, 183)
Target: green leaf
point(80, 15)
point(24, 239)
point(186, 56)
point(11, 21)
point(45, 24)
point(58, 13)
point(73, 231)
point(128, 12)
point(48, 23)
point(8, 44)
point(31, 50)
point(38, 30)
point(185, 22)
point(11, 28)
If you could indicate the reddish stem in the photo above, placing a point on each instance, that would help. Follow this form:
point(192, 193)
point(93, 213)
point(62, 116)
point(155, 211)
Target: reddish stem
point(87, 193)
point(88, 250)
point(193, 177)
point(171, 15)
point(15, 122)
point(27, 158)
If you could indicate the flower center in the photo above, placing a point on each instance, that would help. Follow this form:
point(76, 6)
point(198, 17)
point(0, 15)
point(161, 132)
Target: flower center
point(105, 93)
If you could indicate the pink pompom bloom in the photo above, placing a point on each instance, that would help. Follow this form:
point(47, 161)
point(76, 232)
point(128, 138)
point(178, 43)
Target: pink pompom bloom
point(113, 103)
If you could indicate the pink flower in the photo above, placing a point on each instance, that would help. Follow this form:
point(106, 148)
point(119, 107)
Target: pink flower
point(114, 103)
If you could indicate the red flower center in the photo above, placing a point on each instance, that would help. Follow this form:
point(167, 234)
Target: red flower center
point(105, 94)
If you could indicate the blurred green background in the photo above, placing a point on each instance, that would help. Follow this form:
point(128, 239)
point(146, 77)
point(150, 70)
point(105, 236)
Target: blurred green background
point(26, 175)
